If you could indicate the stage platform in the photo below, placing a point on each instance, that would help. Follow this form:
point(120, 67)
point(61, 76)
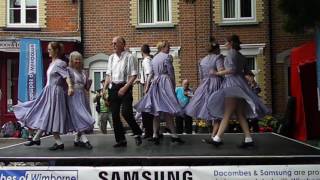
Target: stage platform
point(269, 149)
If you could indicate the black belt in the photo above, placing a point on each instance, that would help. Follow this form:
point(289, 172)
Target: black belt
point(118, 85)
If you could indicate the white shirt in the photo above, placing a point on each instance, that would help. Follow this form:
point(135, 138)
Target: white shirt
point(119, 68)
point(145, 70)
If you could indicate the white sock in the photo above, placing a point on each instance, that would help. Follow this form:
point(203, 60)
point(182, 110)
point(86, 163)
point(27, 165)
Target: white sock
point(37, 136)
point(248, 139)
point(58, 141)
point(76, 138)
point(216, 139)
point(84, 138)
point(155, 135)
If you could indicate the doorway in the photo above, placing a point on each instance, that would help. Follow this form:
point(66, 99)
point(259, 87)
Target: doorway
point(97, 66)
point(9, 71)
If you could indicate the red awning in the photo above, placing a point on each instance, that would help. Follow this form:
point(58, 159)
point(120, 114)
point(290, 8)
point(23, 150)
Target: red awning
point(300, 57)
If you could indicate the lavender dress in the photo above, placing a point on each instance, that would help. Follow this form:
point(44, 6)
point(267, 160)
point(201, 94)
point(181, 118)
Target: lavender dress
point(48, 112)
point(78, 105)
point(197, 106)
point(234, 85)
point(161, 96)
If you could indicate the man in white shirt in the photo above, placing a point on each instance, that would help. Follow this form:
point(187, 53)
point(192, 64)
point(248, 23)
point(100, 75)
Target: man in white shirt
point(145, 80)
point(121, 73)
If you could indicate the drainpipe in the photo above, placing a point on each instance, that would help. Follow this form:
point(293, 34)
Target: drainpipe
point(196, 38)
point(271, 55)
point(81, 28)
point(211, 21)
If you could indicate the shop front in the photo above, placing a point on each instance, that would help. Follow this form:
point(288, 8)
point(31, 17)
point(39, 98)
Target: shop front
point(9, 72)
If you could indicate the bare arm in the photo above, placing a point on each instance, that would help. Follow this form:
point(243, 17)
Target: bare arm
point(106, 83)
point(221, 70)
point(148, 83)
point(125, 88)
point(70, 86)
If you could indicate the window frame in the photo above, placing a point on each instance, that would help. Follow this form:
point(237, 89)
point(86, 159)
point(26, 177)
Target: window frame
point(255, 69)
point(238, 18)
point(249, 50)
point(23, 23)
point(155, 15)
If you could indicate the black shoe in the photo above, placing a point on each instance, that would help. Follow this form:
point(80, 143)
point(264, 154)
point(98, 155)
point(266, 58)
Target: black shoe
point(78, 143)
point(149, 138)
point(177, 139)
point(29, 138)
point(87, 145)
point(56, 147)
point(212, 142)
point(120, 144)
point(208, 141)
point(161, 136)
point(32, 142)
point(146, 136)
point(245, 145)
point(156, 140)
point(138, 140)
point(167, 130)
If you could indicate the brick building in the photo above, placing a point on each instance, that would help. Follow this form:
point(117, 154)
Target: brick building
point(48, 20)
point(187, 24)
point(282, 43)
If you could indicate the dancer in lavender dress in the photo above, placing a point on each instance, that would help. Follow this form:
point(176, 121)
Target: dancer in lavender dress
point(161, 98)
point(78, 104)
point(48, 113)
point(235, 96)
point(210, 83)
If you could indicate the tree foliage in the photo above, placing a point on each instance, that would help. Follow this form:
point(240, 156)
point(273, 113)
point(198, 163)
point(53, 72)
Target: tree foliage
point(300, 15)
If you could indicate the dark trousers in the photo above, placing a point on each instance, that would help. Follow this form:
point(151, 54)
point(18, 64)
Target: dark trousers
point(125, 104)
point(184, 123)
point(147, 120)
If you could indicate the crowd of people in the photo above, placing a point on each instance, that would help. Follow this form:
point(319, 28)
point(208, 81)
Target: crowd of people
point(227, 90)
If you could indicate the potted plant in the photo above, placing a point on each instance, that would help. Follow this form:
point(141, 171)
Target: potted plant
point(268, 124)
point(202, 126)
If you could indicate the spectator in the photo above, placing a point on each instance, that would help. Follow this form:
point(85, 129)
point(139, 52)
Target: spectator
point(183, 121)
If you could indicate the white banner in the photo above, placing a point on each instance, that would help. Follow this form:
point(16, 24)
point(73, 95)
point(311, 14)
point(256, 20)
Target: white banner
point(261, 172)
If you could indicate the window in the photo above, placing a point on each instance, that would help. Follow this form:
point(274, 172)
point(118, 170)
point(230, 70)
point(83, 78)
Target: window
point(98, 76)
point(238, 10)
point(23, 13)
point(253, 54)
point(251, 64)
point(153, 12)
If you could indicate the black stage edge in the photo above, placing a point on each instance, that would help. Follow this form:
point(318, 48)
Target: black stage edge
point(269, 149)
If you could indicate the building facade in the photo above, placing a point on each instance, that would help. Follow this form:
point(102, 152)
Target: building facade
point(188, 25)
point(47, 20)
